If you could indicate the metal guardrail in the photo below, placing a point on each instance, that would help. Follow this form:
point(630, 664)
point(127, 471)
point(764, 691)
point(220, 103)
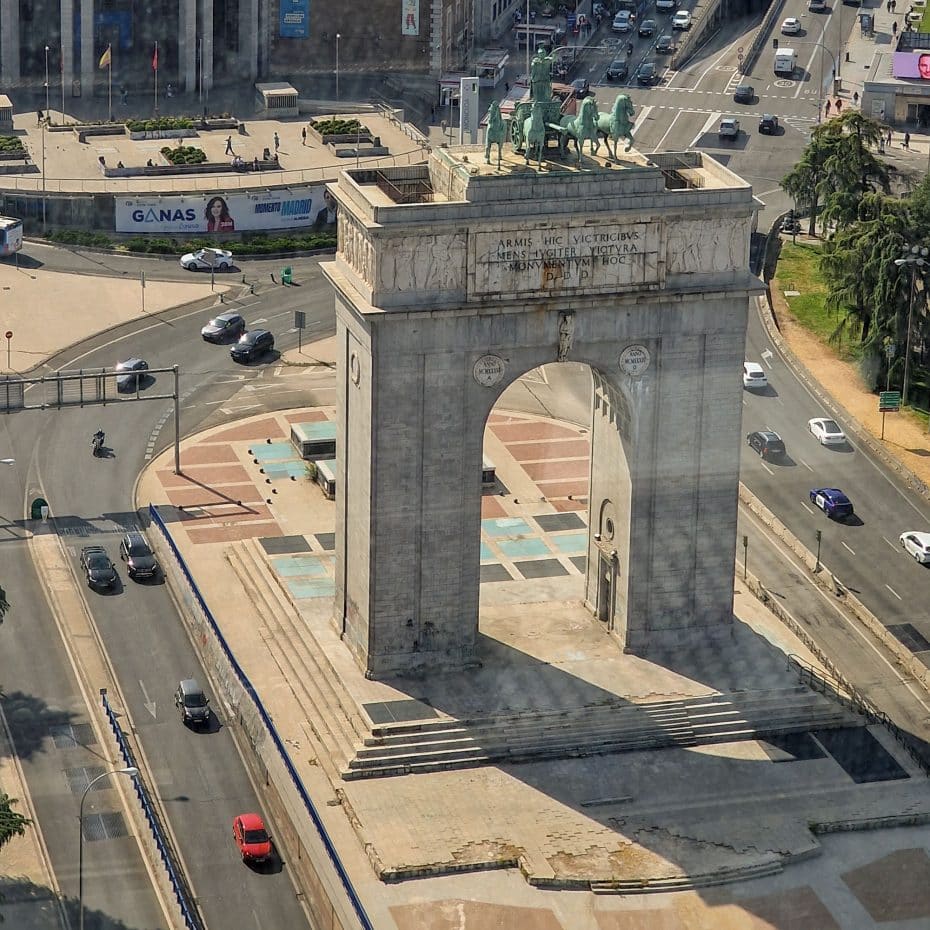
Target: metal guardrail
point(272, 732)
point(169, 858)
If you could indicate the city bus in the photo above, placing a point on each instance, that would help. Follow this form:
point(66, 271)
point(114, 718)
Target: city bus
point(11, 235)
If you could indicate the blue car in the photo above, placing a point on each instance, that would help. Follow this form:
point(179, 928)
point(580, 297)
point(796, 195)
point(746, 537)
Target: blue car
point(833, 502)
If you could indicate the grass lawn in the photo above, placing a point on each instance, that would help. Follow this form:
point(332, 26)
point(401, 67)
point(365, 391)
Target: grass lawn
point(799, 270)
point(925, 22)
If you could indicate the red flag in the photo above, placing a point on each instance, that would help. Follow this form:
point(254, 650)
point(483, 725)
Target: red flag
point(155, 58)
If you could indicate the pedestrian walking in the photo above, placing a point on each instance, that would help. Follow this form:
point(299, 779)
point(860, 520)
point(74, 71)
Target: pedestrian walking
point(827, 108)
point(907, 140)
point(839, 107)
point(229, 148)
point(303, 135)
point(889, 137)
point(277, 142)
point(881, 145)
point(856, 97)
point(894, 28)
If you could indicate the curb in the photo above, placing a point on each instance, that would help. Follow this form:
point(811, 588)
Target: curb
point(97, 250)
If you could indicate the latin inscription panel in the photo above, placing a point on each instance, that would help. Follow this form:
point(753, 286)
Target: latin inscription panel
point(555, 259)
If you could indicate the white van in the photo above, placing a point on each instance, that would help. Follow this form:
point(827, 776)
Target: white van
point(785, 61)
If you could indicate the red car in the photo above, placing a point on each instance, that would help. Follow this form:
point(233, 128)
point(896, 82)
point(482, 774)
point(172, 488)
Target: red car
point(252, 838)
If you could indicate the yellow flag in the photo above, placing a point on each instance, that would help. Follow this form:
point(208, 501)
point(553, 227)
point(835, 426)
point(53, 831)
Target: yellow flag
point(106, 59)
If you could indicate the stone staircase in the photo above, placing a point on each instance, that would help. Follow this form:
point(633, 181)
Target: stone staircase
point(335, 726)
point(430, 746)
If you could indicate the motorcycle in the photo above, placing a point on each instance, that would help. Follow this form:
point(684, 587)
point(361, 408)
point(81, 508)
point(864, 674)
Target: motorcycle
point(97, 442)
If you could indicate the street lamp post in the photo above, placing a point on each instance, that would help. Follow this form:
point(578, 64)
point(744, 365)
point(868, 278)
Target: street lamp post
point(132, 772)
point(916, 257)
point(337, 65)
point(46, 83)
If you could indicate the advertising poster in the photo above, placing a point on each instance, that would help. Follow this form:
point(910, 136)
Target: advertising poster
point(911, 65)
point(295, 19)
point(226, 213)
point(410, 11)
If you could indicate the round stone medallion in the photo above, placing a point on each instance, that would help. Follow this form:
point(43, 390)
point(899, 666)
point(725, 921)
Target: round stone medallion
point(634, 360)
point(489, 370)
point(355, 368)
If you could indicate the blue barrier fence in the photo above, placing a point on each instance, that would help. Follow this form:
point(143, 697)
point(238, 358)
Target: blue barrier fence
point(243, 679)
point(180, 887)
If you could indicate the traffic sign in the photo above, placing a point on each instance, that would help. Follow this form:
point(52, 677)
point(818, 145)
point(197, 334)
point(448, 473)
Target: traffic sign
point(739, 51)
point(9, 334)
point(889, 401)
point(300, 319)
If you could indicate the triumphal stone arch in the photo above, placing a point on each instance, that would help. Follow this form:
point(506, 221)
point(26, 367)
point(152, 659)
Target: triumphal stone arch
point(452, 280)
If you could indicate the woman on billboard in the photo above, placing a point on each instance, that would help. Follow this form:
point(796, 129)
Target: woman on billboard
point(217, 216)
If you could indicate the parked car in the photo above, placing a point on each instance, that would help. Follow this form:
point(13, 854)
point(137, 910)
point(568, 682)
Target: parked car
point(98, 569)
point(917, 544)
point(205, 259)
point(646, 28)
point(833, 502)
point(744, 93)
point(192, 704)
point(139, 559)
point(767, 443)
point(729, 128)
point(581, 88)
point(622, 22)
point(791, 26)
point(681, 20)
point(252, 345)
point(131, 373)
point(251, 838)
point(647, 73)
point(222, 327)
point(768, 124)
point(826, 431)
point(754, 375)
point(665, 45)
point(618, 70)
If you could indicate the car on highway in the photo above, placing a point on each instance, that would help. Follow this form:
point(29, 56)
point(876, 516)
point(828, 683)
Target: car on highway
point(581, 88)
point(205, 259)
point(98, 569)
point(665, 45)
point(744, 93)
point(729, 128)
point(681, 20)
point(647, 73)
point(252, 345)
point(139, 558)
point(618, 70)
point(222, 327)
point(666, 6)
point(646, 28)
point(251, 838)
point(817, 6)
point(130, 374)
point(754, 375)
point(768, 124)
point(917, 544)
point(833, 502)
point(791, 26)
point(767, 443)
point(622, 22)
point(192, 704)
point(826, 431)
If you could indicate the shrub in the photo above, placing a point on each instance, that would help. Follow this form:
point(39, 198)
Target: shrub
point(81, 237)
point(162, 122)
point(184, 155)
point(11, 144)
point(339, 127)
point(167, 245)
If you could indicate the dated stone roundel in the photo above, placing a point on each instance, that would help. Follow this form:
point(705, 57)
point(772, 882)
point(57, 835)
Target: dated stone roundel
point(489, 370)
point(634, 360)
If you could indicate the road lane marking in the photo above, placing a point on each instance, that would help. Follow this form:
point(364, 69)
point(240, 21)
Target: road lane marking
point(710, 122)
point(671, 126)
point(261, 319)
point(892, 590)
point(846, 547)
point(766, 356)
point(805, 465)
point(769, 470)
point(890, 543)
point(808, 509)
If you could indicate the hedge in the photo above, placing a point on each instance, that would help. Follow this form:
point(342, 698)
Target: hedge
point(339, 127)
point(163, 122)
point(184, 155)
point(254, 245)
point(11, 144)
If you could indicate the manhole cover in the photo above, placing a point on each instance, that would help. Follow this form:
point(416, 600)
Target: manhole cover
point(784, 83)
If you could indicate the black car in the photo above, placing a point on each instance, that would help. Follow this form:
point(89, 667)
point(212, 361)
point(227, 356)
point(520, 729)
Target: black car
point(767, 443)
point(619, 70)
point(192, 704)
point(135, 552)
point(664, 45)
point(252, 345)
point(131, 374)
point(744, 93)
point(646, 73)
point(98, 569)
point(222, 327)
point(768, 125)
point(581, 88)
point(647, 27)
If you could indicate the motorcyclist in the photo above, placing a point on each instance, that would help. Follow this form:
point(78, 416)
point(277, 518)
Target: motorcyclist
point(97, 440)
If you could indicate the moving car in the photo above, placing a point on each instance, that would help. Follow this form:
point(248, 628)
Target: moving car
point(619, 70)
point(826, 431)
point(817, 6)
point(622, 22)
point(664, 45)
point(252, 345)
point(251, 838)
point(768, 124)
point(744, 93)
point(917, 544)
point(222, 327)
point(647, 73)
point(681, 20)
point(98, 569)
point(791, 26)
point(666, 6)
point(205, 259)
point(833, 502)
point(131, 373)
point(135, 552)
point(646, 28)
point(754, 375)
point(767, 443)
point(581, 88)
point(729, 128)
point(192, 704)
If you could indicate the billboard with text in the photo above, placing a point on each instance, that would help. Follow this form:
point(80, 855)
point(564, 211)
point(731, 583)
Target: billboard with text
point(911, 65)
point(294, 19)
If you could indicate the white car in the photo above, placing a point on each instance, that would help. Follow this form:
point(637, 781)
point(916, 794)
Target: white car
point(826, 431)
point(791, 26)
point(205, 259)
point(754, 375)
point(622, 22)
point(918, 545)
point(681, 20)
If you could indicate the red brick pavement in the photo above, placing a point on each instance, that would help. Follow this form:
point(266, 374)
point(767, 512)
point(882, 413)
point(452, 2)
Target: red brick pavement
point(205, 455)
point(555, 449)
point(269, 428)
point(311, 416)
point(215, 534)
point(208, 497)
point(532, 429)
point(491, 507)
point(214, 475)
point(567, 468)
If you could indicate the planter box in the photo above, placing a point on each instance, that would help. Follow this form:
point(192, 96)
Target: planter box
point(367, 152)
point(84, 132)
point(163, 134)
point(220, 123)
point(344, 138)
point(14, 156)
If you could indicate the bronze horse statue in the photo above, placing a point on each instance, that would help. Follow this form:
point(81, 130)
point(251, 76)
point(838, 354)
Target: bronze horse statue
point(534, 133)
point(495, 133)
point(582, 128)
point(618, 124)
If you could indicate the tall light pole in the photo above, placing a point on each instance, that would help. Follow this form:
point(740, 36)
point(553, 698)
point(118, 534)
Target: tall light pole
point(43, 174)
point(338, 37)
point(916, 257)
point(46, 83)
point(131, 771)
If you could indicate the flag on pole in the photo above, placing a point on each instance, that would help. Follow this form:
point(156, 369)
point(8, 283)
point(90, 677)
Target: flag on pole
point(106, 59)
point(155, 58)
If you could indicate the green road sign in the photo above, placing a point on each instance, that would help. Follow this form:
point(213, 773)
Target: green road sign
point(889, 401)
